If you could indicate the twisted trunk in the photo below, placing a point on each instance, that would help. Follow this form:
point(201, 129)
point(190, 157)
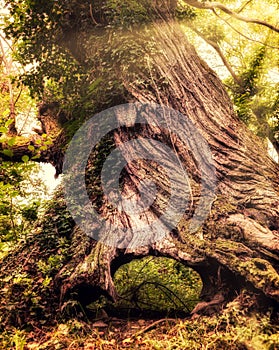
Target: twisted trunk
point(237, 246)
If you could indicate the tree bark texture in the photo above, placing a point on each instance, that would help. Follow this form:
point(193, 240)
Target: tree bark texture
point(241, 232)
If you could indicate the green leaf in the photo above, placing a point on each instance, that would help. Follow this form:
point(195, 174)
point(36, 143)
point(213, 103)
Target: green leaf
point(49, 142)
point(9, 122)
point(31, 148)
point(95, 84)
point(7, 152)
point(3, 129)
point(37, 156)
point(38, 141)
point(25, 158)
point(11, 141)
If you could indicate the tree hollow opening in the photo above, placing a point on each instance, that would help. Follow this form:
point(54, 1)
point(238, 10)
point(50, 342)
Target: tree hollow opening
point(156, 286)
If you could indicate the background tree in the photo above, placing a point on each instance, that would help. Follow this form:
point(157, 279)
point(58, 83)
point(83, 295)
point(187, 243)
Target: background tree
point(21, 190)
point(249, 54)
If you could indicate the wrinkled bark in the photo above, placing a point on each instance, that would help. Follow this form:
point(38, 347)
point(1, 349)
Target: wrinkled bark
point(237, 247)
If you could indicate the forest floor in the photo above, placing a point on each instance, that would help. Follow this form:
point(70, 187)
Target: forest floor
point(112, 334)
point(231, 330)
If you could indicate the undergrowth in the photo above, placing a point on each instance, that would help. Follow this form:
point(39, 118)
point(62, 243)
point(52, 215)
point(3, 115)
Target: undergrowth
point(159, 284)
point(232, 330)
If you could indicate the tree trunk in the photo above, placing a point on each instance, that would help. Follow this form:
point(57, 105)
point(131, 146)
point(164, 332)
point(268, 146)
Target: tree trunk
point(236, 247)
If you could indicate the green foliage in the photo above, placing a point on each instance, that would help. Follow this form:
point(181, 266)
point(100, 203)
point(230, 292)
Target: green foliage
point(234, 329)
point(244, 93)
point(79, 53)
point(57, 220)
point(158, 284)
point(58, 76)
point(185, 12)
point(32, 267)
point(246, 53)
point(255, 99)
point(128, 13)
point(53, 263)
point(21, 199)
point(213, 32)
point(14, 98)
point(125, 13)
point(14, 340)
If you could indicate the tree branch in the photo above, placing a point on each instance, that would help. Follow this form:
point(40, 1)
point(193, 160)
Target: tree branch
point(244, 36)
point(217, 5)
point(18, 150)
point(242, 7)
point(39, 152)
point(216, 47)
point(91, 15)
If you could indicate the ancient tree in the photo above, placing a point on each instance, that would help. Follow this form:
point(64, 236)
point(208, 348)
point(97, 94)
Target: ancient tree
point(236, 247)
